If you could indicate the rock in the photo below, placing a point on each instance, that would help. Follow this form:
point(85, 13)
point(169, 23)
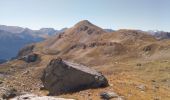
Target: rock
point(153, 80)
point(62, 76)
point(26, 50)
point(138, 64)
point(141, 87)
point(108, 95)
point(26, 72)
point(9, 93)
point(35, 97)
point(148, 48)
point(29, 58)
point(42, 88)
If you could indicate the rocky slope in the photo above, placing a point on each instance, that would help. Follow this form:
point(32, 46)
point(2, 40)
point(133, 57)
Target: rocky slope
point(135, 63)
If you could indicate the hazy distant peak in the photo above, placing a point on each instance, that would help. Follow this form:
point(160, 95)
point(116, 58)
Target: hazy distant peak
point(12, 29)
point(45, 29)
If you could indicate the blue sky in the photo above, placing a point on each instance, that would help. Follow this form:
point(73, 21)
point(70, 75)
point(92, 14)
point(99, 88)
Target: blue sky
point(115, 14)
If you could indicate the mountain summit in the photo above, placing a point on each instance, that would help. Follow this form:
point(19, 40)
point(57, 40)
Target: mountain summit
point(84, 22)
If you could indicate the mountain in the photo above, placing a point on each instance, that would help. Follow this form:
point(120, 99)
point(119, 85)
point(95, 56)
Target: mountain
point(12, 29)
point(109, 30)
point(10, 43)
point(49, 31)
point(13, 38)
point(86, 35)
point(135, 63)
point(160, 34)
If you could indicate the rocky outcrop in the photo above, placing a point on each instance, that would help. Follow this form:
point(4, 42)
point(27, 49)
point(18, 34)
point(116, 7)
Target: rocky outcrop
point(30, 58)
point(62, 76)
point(96, 44)
point(26, 50)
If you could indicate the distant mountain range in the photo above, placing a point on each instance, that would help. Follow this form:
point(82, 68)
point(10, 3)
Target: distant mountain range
point(13, 38)
point(160, 34)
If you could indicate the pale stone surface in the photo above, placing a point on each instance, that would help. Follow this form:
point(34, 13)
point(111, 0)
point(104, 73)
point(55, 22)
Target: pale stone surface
point(35, 97)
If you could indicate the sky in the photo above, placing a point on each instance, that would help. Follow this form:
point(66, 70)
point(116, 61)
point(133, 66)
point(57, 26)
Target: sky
point(114, 14)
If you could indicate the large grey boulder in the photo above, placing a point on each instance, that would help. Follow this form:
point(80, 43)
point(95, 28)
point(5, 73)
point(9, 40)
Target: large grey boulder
point(62, 76)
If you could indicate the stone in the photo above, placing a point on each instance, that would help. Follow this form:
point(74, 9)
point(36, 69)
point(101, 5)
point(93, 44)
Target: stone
point(138, 64)
point(36, 97)
point(61, 76)
point(141, 87)
point(9, 93)
point(108, 95)
point(26, 50)
point(29, 58)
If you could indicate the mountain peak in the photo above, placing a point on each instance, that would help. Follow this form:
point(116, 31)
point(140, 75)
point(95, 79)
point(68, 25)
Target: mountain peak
point(84, 22)
point(87, 27)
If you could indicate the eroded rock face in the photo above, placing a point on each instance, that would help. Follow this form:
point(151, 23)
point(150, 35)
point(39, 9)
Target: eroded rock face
point(62, 76)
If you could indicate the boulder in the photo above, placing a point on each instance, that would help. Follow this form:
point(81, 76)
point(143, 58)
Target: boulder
point(29, 58)
point(61, 76)
point(26, 50)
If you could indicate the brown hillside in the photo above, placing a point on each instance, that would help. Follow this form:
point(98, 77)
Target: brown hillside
point(128, 58)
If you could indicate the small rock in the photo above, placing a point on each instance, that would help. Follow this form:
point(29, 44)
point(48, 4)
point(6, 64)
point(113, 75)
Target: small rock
point(110, 84)
point(9, 94)
point(156, 87)
point(153, 80)
point(26, 72)
point(138, 64)
point(108, 95)
point(116, 62)
point(141, 87)
point(42, 88)
point(156, 98)
point(1, 82)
